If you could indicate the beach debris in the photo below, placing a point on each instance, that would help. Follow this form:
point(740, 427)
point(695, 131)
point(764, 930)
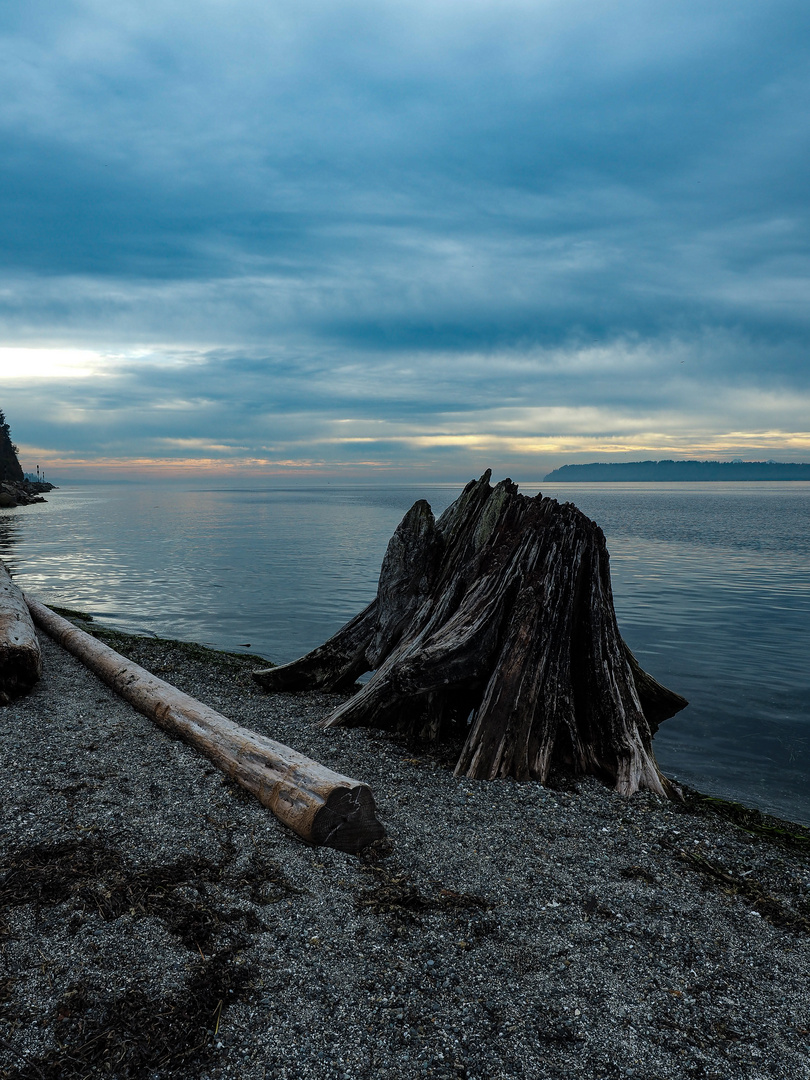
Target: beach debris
point(750, 889)
point(20, 655)
point(495, 625)
point(395, 894)
point(321, 806)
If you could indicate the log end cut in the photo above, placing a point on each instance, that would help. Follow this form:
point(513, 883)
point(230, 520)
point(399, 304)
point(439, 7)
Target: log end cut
point(348, 820)
point(20, 669)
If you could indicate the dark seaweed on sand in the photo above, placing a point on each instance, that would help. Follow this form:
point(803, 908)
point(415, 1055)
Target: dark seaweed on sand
point(134, 1034)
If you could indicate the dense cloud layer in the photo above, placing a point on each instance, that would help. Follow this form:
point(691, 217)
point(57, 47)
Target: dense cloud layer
point(439, 235)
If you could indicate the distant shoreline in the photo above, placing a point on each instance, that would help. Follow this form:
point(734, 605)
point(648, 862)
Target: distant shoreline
point(680, 471)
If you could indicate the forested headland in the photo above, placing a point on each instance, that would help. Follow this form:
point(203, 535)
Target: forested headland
point(15, 490)
point(658, 471)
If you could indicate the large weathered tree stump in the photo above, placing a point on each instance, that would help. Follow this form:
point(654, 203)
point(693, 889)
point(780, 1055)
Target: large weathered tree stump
point(497, 622)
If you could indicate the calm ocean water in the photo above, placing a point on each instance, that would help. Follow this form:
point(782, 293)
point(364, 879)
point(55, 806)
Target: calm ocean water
point(711, 582)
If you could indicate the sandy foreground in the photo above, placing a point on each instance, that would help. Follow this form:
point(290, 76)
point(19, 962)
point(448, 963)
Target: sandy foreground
point(157, 921)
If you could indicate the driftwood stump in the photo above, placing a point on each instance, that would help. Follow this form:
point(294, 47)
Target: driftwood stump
point(497, 622)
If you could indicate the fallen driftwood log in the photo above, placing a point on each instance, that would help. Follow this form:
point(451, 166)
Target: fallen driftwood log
point(320, 805)
point(496, 624)
point(20, 656)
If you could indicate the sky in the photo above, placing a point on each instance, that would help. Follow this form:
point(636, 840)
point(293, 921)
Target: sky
point(379, 242)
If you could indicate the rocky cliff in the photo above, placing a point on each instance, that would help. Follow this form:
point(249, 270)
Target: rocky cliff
point(15, 490)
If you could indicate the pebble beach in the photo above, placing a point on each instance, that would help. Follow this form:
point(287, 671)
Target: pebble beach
point(158, 921)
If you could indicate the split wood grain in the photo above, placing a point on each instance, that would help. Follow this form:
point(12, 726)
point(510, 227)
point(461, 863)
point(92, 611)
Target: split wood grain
point(495, 625)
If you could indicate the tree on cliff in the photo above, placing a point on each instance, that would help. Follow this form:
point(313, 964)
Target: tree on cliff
point(10, 468)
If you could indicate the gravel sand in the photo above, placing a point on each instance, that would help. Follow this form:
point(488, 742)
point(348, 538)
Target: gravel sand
point(157, 921)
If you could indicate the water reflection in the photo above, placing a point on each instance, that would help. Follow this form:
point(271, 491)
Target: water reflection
point(9, 531)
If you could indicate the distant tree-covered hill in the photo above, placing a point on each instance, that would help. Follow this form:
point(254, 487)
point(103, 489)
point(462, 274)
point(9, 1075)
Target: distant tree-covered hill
point(681, 470)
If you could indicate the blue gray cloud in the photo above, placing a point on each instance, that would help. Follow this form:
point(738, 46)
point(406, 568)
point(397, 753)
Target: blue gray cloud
point(407, 233)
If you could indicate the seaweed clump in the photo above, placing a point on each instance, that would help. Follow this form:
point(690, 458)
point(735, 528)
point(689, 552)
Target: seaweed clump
point(137, 1034)
point(97, 880)
point(394, 895)
point(763, 903)
point(784, 834)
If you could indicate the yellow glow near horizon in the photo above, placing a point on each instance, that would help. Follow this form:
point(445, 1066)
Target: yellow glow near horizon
point(529, 452)
point(657, 444)
point(21, 362)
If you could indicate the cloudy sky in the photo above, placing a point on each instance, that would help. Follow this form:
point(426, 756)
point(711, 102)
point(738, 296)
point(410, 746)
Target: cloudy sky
point(363, 239)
